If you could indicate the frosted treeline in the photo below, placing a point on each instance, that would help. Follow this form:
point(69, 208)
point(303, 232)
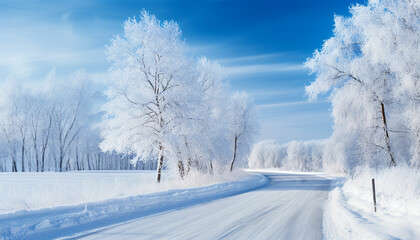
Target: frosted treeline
point(295, 155)
point(370, 72)
point(166, 105)
point(53, 128)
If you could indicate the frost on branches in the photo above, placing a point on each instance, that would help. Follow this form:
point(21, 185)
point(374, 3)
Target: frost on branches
point(163, 104)
point(370, 68)
point(242, 113)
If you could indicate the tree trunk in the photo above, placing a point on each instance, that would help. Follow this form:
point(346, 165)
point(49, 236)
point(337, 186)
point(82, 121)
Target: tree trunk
point(211, 167)
point(61, 163)
point(189, 160)
point(181, 168)
point(387, 142)
point(36, 155)
point(14, 167)
point(43, 160)
point(160, 163)
point(88, 161)
point(77, 160)
point(23, 155)
point(234, 153)
point(68, 167)
point(99, 162)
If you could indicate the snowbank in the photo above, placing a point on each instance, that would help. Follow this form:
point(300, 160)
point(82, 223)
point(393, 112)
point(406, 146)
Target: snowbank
point(349, 210)
point(58, 221)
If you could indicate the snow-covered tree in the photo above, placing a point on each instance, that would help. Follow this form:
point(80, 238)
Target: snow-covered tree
point(206, 140)
point(393, 33)
point(40, 123)
point(167, 106)
point(153, 90)
point(242, 122)
point(370, 68)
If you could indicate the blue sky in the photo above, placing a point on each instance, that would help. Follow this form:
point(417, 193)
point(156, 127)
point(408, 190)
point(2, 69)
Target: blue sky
point(261, 43)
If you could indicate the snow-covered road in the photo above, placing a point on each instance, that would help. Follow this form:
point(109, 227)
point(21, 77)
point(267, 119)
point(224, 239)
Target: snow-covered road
point(289, 207)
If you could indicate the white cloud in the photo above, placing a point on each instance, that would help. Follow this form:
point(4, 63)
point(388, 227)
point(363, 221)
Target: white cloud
point(286, 104)
point(271, 92)
point(264, 68)
point(281, 104)
point(250, 58)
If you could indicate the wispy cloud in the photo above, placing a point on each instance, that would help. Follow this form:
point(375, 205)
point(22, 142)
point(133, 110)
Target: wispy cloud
point(281, 104)
point(30, 51)
point(264, 68)
point(51, 56)
point(287, 104)
point(271, 92)
point(250, 58)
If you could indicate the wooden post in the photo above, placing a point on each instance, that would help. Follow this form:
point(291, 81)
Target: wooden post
point(374, 194)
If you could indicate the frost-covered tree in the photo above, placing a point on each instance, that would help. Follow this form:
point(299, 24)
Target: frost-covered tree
point(165, 105)
point(242, 122)
point(9, 134)
point(40, 127)
point(67, 117)
point(393, 33)
point(153, 90)
point(15, 124)
point(370, 66)
point(204, 143)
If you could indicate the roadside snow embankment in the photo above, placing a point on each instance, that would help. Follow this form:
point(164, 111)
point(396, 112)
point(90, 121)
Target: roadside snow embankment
point(349, 210)
point(58, 221)
point(33, 191)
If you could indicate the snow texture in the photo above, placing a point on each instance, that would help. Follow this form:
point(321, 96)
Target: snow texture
point(289, 207)
point(349, 210)
point(53, 222)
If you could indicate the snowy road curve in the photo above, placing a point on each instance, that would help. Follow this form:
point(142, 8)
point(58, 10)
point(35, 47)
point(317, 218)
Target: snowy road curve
point(289, 207)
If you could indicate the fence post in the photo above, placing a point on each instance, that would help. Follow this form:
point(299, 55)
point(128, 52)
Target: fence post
point(374, 194)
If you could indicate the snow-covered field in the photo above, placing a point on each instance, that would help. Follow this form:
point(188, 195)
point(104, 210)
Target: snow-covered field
point(49, 205)
point(31, 191)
